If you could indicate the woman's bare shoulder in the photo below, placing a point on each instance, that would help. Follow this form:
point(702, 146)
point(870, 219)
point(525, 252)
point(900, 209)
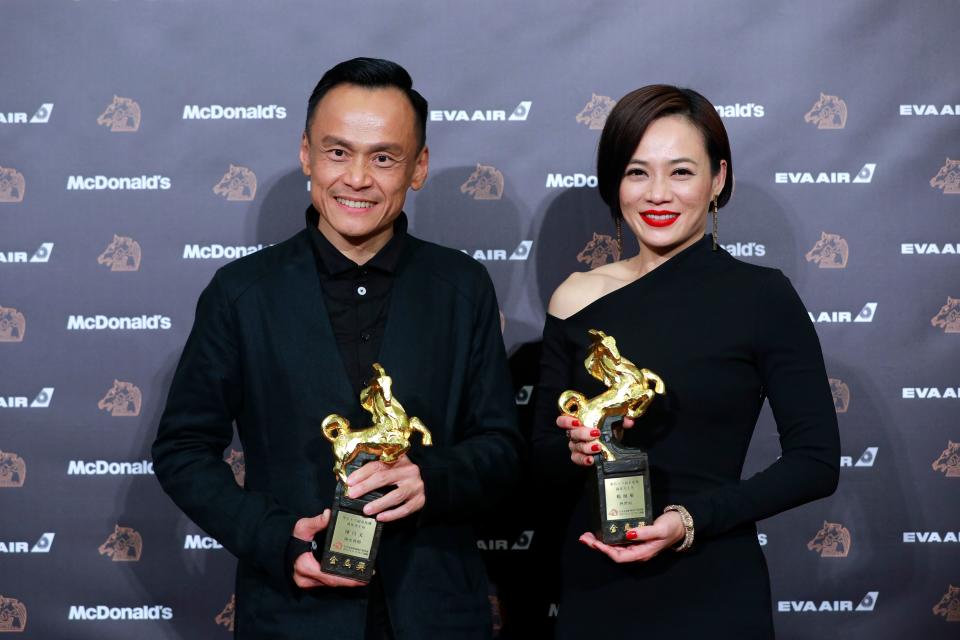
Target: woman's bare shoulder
point(582, 288)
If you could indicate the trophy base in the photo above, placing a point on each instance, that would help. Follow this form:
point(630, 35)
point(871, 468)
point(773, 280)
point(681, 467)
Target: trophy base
point(621, 492)
point(352, 538)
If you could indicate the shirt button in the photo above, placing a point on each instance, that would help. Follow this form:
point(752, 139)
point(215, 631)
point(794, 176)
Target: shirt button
point(363, 272)
point(362, 291)
point(364, 337)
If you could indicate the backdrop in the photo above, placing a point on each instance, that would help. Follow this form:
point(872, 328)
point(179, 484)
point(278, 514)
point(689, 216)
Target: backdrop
point(143, 144)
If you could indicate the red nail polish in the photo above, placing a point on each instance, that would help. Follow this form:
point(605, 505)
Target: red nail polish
point(631, 535)
point(595, 448)
point(595, 433)
point(576, 423)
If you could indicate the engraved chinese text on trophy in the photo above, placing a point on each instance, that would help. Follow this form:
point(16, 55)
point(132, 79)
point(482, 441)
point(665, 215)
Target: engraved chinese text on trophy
point(621, 495)
point(352, 537)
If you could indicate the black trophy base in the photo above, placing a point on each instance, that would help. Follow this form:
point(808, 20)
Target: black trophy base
point(352, 538)
point(621, 490)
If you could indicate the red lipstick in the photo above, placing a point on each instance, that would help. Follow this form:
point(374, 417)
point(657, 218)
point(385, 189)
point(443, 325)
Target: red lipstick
point(656, 218)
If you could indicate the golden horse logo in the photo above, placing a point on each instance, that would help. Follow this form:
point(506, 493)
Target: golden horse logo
point(388, 437)
point(123, 545)
point(599, 251)
point(948, 317)
point(594, 113)
point(122, 254)
point(123, 399)
point(629, 390)
point(13, 470)
point(949, 460)
point(238, 184)
point(841, 395)
point(237, 466)
point(13, 615)
point(830, 112)
point(949, 605)
point(122, 115)
point(948, 178)
point(226, 617)
point(12, 325)
point(830, 252)
point(485, 183)
point(832, 541)
point(12, 185)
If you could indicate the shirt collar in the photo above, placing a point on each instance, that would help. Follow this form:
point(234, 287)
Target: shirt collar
point(331, 262)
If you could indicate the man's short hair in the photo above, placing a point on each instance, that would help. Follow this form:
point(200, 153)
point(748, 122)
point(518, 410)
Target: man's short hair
point(371, 73)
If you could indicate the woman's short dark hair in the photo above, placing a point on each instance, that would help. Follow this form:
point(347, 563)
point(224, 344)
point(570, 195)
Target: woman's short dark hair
point(636, 111)
point(372, 73)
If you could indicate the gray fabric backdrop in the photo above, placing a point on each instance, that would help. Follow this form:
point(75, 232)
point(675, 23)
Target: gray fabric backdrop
point(145, 143)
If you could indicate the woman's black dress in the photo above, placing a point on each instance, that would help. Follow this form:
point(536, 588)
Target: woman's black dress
point(724, 335)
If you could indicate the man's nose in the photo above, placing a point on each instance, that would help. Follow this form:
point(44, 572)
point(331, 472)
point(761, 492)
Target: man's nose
point(357, 175)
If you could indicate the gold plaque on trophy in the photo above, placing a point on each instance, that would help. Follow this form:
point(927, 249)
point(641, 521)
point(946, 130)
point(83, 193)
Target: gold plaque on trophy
point(621, 496)
point(352, 538)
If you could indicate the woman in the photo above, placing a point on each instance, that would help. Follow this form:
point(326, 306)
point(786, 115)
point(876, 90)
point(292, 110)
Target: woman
point(723, 335)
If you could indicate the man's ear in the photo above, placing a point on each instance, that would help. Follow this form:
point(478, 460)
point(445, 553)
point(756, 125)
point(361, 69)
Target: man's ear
point(305, 154)
point(421, 169)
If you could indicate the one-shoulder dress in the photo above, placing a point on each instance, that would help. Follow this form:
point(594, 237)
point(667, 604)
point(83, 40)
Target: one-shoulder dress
point(724, 336)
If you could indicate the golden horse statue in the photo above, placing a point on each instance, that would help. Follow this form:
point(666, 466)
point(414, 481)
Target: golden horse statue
point(388, 437)
point(629, 392)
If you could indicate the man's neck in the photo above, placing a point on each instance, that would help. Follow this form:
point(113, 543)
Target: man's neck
point(359, 250)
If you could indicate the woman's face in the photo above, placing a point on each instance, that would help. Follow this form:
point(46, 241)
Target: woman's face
point(667, 186)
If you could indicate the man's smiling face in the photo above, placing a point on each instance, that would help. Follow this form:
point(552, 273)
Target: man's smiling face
point(362, 155)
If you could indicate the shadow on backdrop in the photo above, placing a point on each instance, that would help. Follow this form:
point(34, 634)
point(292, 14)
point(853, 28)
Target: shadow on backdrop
point(280, 214)
point(471, 209)
point(576, 233)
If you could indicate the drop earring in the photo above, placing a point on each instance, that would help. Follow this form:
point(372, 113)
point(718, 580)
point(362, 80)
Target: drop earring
point(619, 237)
point(713, 210)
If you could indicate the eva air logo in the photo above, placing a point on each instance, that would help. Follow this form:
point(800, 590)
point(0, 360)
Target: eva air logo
point(42, 115)
point(866, 173)
point(43, 253)
point(524, 394)
point(44, 544)
point(521, 112)
point(866, 314)
point(869, 601)
point(42, 401)
point(522, 252)
point(866, 459)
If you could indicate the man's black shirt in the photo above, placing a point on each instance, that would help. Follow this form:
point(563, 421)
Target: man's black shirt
point(357, 298)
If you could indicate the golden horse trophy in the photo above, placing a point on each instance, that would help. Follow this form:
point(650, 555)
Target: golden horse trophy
point(622, 497)
point(352, 538)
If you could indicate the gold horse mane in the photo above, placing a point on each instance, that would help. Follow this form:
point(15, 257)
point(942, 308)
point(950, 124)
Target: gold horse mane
point(629, 393)
point(389, 435)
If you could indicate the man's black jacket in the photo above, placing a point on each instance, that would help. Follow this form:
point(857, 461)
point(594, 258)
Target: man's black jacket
point(262, 353)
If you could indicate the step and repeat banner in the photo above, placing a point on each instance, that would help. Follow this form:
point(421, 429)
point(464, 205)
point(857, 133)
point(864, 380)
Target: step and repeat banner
point(145, 143)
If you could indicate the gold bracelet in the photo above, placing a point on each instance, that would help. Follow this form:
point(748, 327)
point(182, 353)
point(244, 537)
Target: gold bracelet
point(687, 521)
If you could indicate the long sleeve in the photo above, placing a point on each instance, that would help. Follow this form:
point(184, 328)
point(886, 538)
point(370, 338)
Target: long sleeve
point(794, 379)
point(472, 475)
point(197, 425)
point(549, 452)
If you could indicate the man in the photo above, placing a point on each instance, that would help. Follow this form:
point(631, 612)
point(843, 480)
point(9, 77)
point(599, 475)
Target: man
point(288, 335)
